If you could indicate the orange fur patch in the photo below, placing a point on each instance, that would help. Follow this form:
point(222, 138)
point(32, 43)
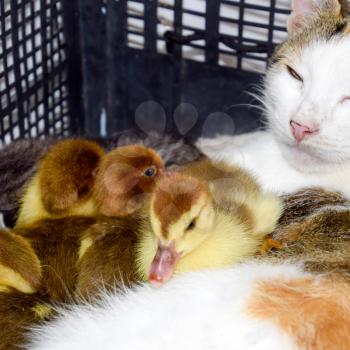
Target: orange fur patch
point(314, 311)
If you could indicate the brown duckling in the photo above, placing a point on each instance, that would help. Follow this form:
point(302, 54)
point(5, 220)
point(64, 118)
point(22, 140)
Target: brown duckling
point(79, 257)
point(125, 178)
point(62, 185)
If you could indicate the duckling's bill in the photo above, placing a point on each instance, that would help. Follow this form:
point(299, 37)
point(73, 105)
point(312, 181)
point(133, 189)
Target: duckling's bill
point(163, 264)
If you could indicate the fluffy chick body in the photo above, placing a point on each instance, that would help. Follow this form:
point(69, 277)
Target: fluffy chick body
point(195, 228)
point(235, 190)
point(32, 208)
point(63, 183)
point(228, 242)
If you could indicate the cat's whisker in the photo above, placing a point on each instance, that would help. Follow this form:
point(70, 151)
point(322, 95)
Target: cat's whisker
point(258, 97)
point(249, 105)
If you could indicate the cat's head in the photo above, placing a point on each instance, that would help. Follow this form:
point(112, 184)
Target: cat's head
point(307, 87)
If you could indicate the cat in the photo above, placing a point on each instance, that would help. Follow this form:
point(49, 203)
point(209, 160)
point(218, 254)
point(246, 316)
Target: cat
point(306, 96)
point(314, 229)
point(245, 307)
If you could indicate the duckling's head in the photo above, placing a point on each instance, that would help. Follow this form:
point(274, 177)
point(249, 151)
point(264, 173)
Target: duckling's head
point(182, 217)
point(125, 178)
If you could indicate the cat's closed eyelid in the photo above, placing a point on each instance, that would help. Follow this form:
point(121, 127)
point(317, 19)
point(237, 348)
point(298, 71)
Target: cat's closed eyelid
point(294, 74)
point(344, 99)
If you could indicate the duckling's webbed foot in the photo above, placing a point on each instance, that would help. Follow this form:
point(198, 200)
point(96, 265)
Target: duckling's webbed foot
point(269, 244)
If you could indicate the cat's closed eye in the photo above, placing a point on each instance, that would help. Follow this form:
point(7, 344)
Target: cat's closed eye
point(293, 73)
point(345, 99)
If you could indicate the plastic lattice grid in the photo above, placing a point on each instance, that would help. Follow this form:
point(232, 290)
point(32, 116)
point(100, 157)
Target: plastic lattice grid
point(33, 80)
point(236, 33)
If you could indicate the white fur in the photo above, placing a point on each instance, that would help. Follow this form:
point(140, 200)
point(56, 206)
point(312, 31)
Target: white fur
point(198, 311)
point(320, 160)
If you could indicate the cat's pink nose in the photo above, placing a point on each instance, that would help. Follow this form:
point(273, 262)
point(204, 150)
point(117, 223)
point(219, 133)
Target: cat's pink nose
point(300, 131)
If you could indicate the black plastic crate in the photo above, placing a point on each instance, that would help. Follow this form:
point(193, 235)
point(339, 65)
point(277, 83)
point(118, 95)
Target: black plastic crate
point(93, 67)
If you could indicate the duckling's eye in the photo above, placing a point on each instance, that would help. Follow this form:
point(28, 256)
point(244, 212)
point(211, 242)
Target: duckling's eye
point(294, 74)
point(150, 172)
point(192, 225)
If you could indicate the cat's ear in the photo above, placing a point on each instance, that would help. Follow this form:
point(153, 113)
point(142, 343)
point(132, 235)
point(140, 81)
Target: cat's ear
point(305, 10)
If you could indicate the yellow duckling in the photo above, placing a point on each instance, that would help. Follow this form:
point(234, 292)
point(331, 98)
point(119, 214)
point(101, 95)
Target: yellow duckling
point(197, 225)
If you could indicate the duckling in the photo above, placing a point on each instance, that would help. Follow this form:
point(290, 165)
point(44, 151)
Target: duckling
point(193, 230)
point(62, 185)
point(125, 178)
